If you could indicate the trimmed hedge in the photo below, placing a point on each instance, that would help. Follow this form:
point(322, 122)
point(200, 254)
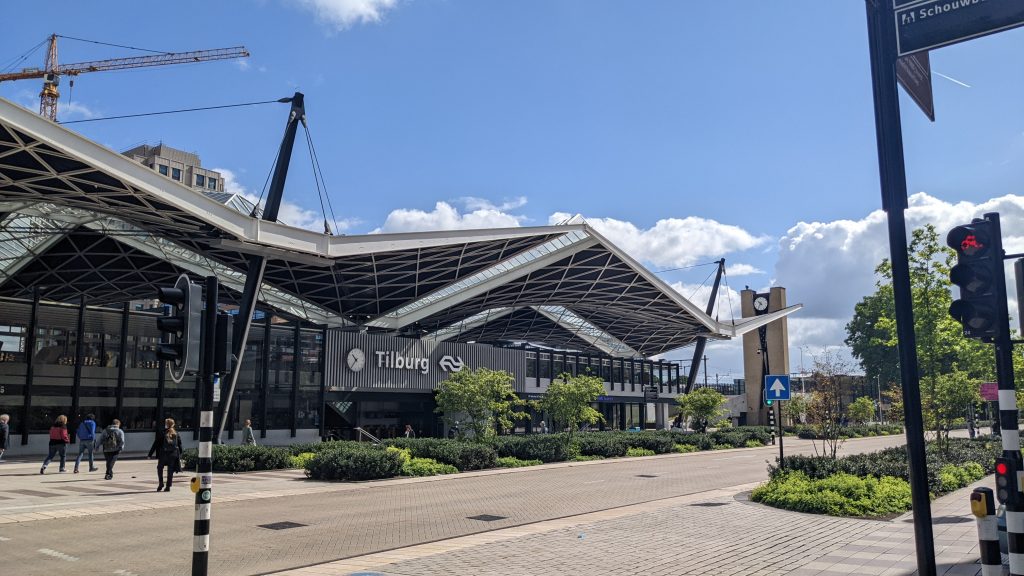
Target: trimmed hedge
point(367, 462)
point(513, 462)
point(603, 444)
point(543, 447)
point(242, 458)
point(807, 432)
point(459, 453)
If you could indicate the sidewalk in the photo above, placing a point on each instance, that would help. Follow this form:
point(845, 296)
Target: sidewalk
point(715, 532)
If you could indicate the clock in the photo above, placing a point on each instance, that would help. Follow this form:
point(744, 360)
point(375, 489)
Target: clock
point(761, 303)
point(356, 360)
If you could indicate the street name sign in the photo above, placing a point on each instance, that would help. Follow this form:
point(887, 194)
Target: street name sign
point(776, 387)
point(927, 24)
point(914, 73)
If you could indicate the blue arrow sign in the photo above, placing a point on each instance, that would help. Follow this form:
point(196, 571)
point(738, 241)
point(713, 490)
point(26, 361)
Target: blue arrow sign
point(776, 387)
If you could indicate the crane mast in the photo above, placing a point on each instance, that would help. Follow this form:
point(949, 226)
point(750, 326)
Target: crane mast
point(52, 70)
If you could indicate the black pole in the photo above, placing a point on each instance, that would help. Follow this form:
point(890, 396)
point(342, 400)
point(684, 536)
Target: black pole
point(882, 41)
point(698, 350)
point(161, 377)
point(265, 376)
point(122, 361)
point(258, 264)
point(30, 360)
point(76, 383)
point(204, 496)
point(293, 400)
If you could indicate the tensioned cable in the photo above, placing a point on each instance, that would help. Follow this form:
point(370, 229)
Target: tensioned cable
point(115, 45)
point(684, 267)
point(266, 182)
point(728, 296)
point(316, 161)
point(316, 180)
point(280, 100)
point(19, 59)
point(690, 297)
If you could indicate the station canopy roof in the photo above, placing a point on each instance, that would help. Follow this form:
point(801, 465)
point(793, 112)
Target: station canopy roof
point(77, 219)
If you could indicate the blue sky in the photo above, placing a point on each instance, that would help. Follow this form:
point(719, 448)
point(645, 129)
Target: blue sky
point(685, 131)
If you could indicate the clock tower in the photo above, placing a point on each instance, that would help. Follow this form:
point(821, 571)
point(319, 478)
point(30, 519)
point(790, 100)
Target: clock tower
point(769, 343)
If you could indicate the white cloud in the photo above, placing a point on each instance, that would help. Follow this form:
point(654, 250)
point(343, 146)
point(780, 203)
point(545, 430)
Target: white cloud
point(727, 305)
point(474, 203)
point(673, 241)
point(343, 14)
point(291, 214)
point(444, 216)
point(66, 109)
point(741, 269)
point(242, 64)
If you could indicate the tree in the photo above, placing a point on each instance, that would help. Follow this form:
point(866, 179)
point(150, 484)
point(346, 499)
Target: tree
point(861, 410)
point(894, 396)
point(941, 346)
point(569, 398)
point(952, 395)
point(704, 407)
point(795, 408)
point(824, 411)
point(480, 399)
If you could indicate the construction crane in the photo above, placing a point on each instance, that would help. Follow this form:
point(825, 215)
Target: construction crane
point(52, 71)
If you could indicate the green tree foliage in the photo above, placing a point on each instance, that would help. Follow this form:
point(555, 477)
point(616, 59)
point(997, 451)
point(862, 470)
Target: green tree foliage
point(704, 407)
point(480, 400)
point(949, 399)
point(861, 410)
point(569, 398)
point(824, 411)
point(942, 350)
point(796, 408)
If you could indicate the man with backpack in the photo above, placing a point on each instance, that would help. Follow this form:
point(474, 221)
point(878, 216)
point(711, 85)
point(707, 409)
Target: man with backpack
point(111, 441)
point(86, 441)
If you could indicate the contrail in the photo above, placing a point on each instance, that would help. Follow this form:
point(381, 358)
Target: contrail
point(951, 79)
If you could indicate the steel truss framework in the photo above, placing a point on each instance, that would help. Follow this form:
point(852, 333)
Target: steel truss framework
point(77, 218)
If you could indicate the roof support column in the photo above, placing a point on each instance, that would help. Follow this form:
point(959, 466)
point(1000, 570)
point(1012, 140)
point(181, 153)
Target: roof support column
point(76, 383)
point(30, 363)
point(322, 408)
point(257, 263)
point(122, 360)
point(265, 376)
point(161, 378)
point(296, 366)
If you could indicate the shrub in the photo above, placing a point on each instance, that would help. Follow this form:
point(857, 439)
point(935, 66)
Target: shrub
point(513, 462)
point(657, 442)
point(753, 444)
point(461, 454)
point(244, 458)
point(426, 467)
point(836, 495)
point(698, 441)
point(543, 447)
point(581, 458)
point(722, 447)
point(685, 448)
point(355, 463)
point(639, 452)
point(604, 444)
point(299, 460)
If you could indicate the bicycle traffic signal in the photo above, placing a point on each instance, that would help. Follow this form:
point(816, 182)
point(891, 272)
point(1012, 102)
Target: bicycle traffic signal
point(1006, 479)
point(183, 327)
point(980, 277)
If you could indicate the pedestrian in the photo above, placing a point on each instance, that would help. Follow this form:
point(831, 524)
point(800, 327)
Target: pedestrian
point(111, 441)
point(247, 436)
point(409, 433)
point(59, 441)
point(86, 441)
point(167, 449)
point(543, 426)
point(5, 435)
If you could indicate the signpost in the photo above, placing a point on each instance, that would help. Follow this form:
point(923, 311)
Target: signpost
point(898, 28)
point(928, 24)
point(776, 389)
point(914, 73)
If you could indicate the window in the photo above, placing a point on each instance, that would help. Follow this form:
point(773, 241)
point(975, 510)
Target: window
point(163, 169)
point(212, 183)
point(176, 174)
point(200, 180)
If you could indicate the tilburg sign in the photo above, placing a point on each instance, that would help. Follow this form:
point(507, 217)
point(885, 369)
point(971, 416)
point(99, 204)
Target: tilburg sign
point(927, 24)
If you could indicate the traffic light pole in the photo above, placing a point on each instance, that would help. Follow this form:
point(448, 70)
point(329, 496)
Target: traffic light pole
point(204, 495)
point(892, 173)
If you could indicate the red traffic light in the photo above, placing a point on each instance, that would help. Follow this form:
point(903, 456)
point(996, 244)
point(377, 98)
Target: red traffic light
point(1002, 468)
point(968, 240)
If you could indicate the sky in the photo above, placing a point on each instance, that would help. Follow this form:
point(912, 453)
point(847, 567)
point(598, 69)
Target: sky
point(682, 131)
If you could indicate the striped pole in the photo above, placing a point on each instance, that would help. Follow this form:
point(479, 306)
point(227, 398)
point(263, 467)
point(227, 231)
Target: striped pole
point(204, 496)
point(984, 509)
point(1011, 451)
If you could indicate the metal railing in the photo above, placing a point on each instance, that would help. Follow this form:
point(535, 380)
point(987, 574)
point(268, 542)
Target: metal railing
point(369, 436)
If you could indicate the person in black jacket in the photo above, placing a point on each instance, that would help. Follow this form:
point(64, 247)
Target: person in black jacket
point(167, 449)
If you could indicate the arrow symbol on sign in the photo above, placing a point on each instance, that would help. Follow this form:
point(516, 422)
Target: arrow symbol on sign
point(777, 387)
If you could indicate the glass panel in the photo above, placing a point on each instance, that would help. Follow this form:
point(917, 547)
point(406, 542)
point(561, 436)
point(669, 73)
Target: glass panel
point(559, 365)
point(247, 389)
point(308, 407)
point(281, 365)
point(545, 365)
point(531, 364)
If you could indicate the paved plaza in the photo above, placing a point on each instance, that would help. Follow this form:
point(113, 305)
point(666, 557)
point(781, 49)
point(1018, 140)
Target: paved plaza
point(670, 514)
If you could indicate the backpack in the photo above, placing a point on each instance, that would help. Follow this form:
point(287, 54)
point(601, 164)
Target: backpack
point(110, 441)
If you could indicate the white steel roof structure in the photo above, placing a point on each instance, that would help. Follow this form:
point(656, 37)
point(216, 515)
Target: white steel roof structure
point(77, 218)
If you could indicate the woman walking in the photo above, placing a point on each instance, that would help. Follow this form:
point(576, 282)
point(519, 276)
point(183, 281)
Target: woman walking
point(167, 448)
point(247, 437)
point(111, 441)
point(59, 441)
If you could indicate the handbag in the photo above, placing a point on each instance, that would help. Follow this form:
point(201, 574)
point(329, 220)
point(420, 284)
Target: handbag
point(179, 465)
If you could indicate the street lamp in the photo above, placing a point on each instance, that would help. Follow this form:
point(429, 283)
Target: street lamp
point(878, 387)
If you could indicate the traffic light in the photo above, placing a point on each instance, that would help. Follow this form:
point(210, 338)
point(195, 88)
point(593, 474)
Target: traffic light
point(1006, 479)
point(182, 326)
point(979, 275)
point(771, 417)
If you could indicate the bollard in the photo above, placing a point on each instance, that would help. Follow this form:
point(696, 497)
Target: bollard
point(984, 509)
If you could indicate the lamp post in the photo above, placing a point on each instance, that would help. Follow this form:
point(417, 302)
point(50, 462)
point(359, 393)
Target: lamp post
point(878, 388)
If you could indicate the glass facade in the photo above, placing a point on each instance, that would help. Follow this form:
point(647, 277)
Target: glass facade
point(112, 371)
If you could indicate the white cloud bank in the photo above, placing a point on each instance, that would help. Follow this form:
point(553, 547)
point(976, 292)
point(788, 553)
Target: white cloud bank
point(343, 14)
point(291, 213)
point(673, 241)
point(444, 216)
